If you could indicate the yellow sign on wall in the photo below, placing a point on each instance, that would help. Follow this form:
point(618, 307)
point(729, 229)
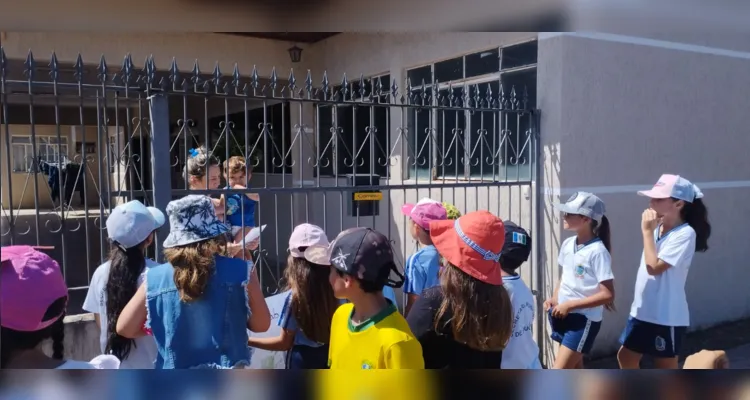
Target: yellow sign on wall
point(377, 196)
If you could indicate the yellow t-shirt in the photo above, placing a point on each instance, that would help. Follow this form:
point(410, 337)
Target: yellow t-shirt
point(382, 342)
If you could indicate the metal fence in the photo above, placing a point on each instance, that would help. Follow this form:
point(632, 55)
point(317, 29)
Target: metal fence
point(80, 139)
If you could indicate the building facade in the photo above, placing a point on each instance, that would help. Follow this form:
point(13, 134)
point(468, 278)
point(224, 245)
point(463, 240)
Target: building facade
point(596, 112)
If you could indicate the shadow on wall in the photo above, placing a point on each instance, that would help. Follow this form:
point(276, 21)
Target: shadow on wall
point(549, 239)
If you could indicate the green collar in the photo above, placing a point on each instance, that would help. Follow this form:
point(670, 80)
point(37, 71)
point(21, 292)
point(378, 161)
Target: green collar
point(381, 315)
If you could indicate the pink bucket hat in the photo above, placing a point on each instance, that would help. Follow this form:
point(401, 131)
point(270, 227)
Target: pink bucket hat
point(424, 212)
point(309, 235)
point(673, 186)
point(30, 282)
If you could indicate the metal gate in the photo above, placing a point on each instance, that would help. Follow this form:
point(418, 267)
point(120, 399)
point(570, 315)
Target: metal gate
point(80, 139)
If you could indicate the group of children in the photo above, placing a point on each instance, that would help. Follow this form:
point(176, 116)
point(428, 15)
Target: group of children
point(464, 305)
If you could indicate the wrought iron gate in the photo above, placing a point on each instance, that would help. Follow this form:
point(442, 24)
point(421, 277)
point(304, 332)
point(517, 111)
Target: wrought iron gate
point(335, 154)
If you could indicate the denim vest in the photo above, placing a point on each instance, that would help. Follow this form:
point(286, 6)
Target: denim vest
point(210, 332)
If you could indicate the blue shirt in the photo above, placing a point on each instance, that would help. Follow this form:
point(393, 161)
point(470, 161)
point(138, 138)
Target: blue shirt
point(288, 321)
point(390, 294)
point(210, 332)
point(235, 203)
point(422, 270)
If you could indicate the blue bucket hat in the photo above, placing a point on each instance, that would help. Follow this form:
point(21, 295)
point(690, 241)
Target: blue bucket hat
point(192, 219)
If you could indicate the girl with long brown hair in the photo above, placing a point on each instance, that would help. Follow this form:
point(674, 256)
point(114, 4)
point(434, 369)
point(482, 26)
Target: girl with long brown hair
point(305, 320)
point(467, 320)
point(200, 304)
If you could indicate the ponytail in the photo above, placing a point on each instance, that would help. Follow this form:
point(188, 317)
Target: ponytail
point(601, 230)
point(696, 215)
point(58, 339)
point(126, 265)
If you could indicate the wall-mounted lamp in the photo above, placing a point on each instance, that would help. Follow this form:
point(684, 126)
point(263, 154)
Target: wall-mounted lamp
point(295, 53)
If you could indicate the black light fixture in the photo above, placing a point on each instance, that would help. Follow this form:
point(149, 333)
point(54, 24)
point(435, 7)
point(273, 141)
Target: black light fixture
point(295, 53)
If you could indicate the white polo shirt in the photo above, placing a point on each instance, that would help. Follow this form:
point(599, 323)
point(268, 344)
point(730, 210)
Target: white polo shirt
point(661, 299)
point(584, 267)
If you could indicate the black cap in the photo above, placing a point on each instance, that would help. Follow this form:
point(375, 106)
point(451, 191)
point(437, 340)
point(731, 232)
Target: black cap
point(366, 254)
point(517, 245)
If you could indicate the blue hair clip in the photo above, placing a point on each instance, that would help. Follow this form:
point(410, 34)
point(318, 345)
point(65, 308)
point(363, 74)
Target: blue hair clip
point(193, 153)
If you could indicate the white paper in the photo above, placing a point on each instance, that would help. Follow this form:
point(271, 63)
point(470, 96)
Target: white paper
point(262, 359)
point(254, 234)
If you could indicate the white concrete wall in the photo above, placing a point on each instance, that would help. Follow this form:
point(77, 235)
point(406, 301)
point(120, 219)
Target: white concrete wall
point(619, 112)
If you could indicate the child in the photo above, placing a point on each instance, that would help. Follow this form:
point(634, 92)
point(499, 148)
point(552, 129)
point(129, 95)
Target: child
point(131, 228)
point(204, 173)
point(240, 209)
point(522, 351)
point(587, 283)
point(466, 321)
point(306, 317)
point(200, 304)
point(451, 211)
point(674, 227)
point(422, 268)
point(33, 297)
point(368, 332)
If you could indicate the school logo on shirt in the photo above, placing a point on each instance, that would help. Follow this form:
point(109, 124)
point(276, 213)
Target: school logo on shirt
point(580, 270)
point(660, 344)
point(367, 365)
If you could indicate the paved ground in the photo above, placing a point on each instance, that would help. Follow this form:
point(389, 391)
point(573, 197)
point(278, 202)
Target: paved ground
point(732, 337)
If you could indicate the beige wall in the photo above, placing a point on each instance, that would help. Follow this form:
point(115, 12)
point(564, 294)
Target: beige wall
point(616, 115)
point(22, 183)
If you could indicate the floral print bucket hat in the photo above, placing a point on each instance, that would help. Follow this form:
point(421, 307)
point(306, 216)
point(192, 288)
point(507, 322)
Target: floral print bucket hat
point(192, 219)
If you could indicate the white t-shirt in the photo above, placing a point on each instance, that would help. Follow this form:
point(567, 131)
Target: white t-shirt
point(99, 362)
point(661, 299)
point(584, 267)
point(143, 353)
point(521, 351)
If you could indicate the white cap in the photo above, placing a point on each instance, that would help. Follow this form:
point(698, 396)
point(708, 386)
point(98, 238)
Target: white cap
point(130, 224)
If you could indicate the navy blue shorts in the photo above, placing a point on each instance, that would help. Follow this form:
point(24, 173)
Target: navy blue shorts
point(654, 340)
point(575, 331)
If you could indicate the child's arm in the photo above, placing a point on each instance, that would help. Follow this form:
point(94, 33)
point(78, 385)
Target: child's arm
point(260, 320)
point(552, 301)
point(130, 322)
point(282, 342)
point(603, 297)
point(678, 245)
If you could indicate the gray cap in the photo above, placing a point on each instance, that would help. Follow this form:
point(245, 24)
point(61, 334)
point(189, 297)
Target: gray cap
point(584, 203)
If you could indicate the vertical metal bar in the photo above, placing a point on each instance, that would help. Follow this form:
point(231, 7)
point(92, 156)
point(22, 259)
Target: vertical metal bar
point(160, 171)
point(82, 172)
point(101, 127)
point(34, 153)
point(538, 265)
point(8, 155)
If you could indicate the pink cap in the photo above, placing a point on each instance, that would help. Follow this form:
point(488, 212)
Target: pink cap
point(30, 282)
point(424, 212)
point(673, 186)
point(307, 235)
